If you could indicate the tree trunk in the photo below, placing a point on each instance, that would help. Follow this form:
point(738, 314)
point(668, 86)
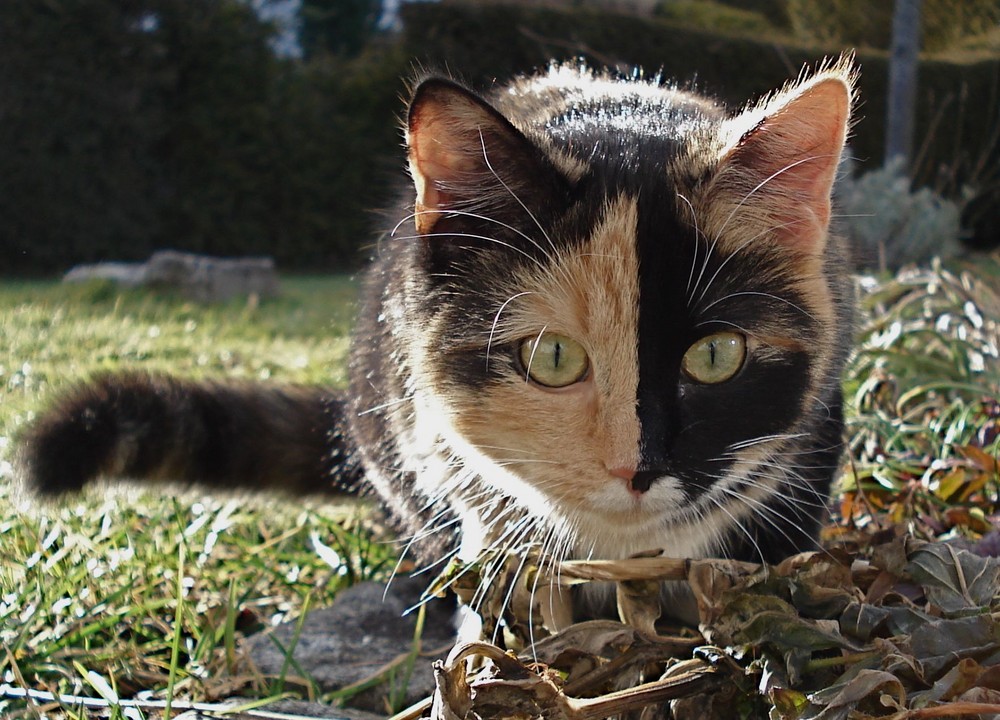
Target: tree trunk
point(902, 80)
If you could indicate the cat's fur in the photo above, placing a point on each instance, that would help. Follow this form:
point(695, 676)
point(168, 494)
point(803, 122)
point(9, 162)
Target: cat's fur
point(625, 214)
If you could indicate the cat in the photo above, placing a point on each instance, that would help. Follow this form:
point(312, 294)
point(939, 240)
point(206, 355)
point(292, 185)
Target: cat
point(611, 319)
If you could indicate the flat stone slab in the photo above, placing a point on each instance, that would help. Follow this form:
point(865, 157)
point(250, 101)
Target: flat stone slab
point(123, 273)
point(199, 277)
point(357, 637)
point(303, 709)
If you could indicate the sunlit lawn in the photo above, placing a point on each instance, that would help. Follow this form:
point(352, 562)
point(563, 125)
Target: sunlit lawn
point(91, 589)
point(118, 594)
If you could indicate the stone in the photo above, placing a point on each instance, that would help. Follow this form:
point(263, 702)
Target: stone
point(304, 709)
point(357, 636)
point(212, 279)
point(128, 274)
point(198, 277)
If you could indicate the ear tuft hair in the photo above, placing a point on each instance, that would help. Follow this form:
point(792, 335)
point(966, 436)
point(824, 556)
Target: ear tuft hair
point(780, 159)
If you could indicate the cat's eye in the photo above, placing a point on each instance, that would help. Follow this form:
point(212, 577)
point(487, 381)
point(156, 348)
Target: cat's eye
point(715, 358)
point(554, 360)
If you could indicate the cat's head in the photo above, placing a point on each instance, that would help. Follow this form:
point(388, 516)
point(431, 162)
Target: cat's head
point(630, 303)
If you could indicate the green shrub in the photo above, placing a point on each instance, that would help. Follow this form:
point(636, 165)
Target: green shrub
point(707, 15)
point(776, 11)
point(869, 24)
point(857, 23)
point(890, 224)
point(948, 22)
point(160, 124)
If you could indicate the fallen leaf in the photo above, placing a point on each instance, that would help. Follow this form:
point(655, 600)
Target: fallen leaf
point(840, 701)
point(955, 580)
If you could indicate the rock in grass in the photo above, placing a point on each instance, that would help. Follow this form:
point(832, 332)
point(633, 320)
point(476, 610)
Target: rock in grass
point(123, 273)
point(198, 277)
point(304, 709)
point(357, 637)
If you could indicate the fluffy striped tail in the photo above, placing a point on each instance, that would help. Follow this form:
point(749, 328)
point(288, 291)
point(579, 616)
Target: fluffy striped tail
point(236, 436)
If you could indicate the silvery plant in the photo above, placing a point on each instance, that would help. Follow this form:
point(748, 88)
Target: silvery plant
point(889, 223)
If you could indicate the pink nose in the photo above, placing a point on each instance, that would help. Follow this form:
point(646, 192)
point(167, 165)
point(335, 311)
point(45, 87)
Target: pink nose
point(625, 473)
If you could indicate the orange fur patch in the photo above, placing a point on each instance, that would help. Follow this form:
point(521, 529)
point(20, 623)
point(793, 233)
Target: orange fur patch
point(562, 442)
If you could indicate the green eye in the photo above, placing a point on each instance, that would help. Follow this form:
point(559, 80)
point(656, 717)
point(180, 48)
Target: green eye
point(554, 360)
point(716, 358)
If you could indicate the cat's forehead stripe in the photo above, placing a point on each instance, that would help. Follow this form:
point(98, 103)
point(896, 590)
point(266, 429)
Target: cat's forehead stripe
point(606, 268)
point(589, 291)
point(595, 286)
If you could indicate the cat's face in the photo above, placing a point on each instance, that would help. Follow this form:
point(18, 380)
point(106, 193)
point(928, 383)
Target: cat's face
point(627, 308)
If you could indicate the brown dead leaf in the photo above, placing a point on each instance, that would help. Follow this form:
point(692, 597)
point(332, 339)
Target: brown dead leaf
point(954, 580)
point(864, 690)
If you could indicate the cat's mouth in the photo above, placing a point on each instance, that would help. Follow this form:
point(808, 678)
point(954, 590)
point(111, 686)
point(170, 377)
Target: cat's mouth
point(638, 498)
point(618, 522)
point(637, 482)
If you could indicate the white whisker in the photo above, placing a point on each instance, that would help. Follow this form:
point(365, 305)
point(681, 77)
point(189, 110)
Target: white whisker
point(474, 236)
point(534, 348)
point(496, 320)
point(743, 444)
point(759, 294)
point(764, 182)
point(697, 242)
point(383, 406)
point(723, 264)
point(531, 215)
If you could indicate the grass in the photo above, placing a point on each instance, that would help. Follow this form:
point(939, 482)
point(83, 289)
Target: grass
point(109, 596)
point(924, 389)
point(127, 592)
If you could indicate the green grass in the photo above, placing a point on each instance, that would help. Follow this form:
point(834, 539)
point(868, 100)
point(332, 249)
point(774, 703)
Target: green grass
point(145, 591)
point(117, 594)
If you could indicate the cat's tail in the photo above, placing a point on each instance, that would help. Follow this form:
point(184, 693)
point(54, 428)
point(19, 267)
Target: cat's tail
point(151, 428)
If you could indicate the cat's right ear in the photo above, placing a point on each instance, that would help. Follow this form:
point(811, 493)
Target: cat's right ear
point(465, 155)
point(775, 180)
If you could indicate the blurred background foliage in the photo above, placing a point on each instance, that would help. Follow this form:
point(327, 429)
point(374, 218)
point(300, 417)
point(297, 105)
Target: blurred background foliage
point(132, 125)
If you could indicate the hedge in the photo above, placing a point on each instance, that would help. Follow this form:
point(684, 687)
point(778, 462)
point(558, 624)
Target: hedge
point(192, 135)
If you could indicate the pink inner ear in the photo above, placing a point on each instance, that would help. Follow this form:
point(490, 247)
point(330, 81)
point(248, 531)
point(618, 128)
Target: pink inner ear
point(787, 164)
point(445, 136)
point(434, 160)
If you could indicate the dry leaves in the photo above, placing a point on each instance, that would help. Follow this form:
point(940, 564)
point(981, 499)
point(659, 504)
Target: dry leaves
point(880, 625)
point(912, 632)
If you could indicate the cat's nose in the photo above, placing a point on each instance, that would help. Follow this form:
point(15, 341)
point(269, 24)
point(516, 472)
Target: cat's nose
point(643, 480)
point(638, 481)
point(625, 473)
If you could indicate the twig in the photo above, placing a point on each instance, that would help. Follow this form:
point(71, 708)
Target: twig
point(952, 709)
point(232, 710)
point(18, 676)
point(416, 710)
point(640, 696)
point(655, 568)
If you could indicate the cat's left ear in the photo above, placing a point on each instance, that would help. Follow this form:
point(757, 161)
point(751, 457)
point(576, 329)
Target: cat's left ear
point(463, 154)
point(775, 178)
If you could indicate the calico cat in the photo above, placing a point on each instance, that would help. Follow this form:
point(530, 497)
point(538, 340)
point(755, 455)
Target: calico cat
point(613, 320)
